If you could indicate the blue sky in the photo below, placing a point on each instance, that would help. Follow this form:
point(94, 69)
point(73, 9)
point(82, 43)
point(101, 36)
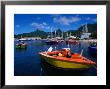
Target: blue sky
point(24, 23)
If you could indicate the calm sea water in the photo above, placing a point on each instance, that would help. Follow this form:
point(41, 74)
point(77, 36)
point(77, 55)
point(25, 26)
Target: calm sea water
point(27, 62)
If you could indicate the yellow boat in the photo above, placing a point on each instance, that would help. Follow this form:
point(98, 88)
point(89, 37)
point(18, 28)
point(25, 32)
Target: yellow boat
point(76, 61)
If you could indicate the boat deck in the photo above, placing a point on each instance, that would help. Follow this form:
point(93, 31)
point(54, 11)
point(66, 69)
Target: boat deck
point(74, 58)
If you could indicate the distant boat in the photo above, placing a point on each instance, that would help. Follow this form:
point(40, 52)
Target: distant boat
point(93, 48)
point(71, 40)
point(60, 60)
point(24, 39)
point(21, 45)
point(52, 42)
point(59, 39)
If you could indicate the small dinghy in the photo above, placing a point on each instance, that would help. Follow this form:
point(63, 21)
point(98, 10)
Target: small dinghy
point(21, 45)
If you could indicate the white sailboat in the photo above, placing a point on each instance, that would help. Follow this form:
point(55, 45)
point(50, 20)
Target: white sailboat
point(52, 41)
point(85, 34)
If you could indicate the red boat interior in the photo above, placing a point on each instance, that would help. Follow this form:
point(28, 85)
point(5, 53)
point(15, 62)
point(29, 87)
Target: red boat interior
point(61, 55)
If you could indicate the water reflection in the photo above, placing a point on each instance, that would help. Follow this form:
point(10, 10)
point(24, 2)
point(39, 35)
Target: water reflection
point(21, 49)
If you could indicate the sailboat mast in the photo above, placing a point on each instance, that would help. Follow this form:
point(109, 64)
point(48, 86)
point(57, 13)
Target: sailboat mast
point(68, 45)
point(67, 34)
point(83, 30)
point(62, 34)
point(86, 29)
point(70, 33)
point(55, 33)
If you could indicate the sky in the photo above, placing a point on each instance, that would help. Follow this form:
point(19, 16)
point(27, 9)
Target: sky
point(25, 23)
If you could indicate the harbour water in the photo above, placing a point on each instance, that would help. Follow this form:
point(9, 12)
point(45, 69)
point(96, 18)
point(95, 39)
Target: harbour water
point(27, 62)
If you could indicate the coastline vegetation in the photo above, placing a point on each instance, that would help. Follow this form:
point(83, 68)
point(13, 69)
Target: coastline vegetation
point(92, 28)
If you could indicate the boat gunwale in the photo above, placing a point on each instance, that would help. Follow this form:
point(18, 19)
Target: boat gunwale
point(48, 56)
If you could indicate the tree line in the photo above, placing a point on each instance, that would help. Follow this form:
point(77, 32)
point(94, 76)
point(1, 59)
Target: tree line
point(92, 28)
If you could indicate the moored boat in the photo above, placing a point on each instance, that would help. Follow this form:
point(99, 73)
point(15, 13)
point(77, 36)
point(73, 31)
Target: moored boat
point(21, 45)
point(71, 40)
point(54, 40)
point(25, 39)
point(60, 59)
point(51, 42)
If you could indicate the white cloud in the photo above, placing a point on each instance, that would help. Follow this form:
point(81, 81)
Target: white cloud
point(40, 25)
point(17, 26)
point(44, 23)
point(91, 19)
point(88, 18)
point(75, 19)
point(66, 21)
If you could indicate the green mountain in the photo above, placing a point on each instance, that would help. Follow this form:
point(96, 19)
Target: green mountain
point(36, 33)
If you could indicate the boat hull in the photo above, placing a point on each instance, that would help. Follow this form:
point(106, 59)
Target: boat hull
point(71, 42)
point(51, 43)
point(65, 64)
